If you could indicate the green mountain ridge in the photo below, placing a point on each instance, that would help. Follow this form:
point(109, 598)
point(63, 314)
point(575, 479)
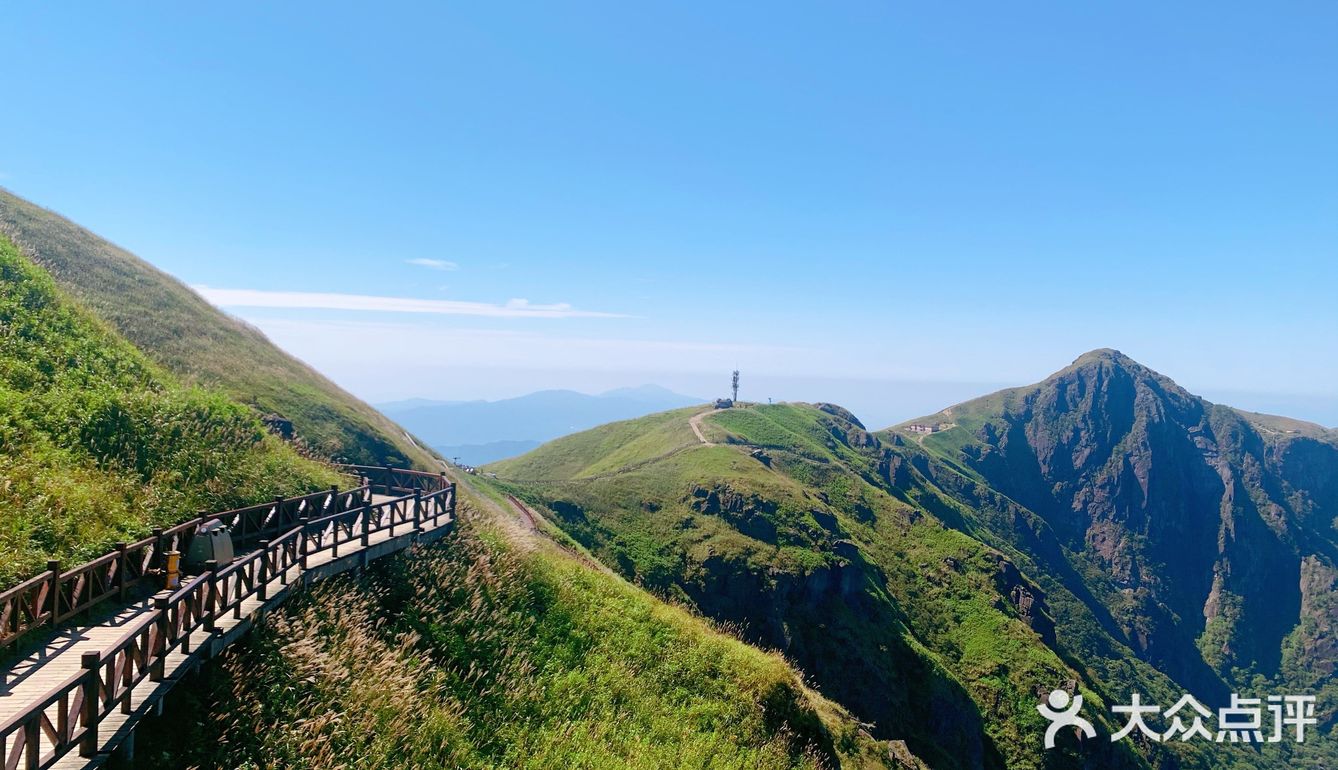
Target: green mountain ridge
point(936, 584)
point(202, 345)
point(100, 444)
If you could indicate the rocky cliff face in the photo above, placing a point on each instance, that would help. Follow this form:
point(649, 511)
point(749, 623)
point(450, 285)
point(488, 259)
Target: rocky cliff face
point(1200, 516)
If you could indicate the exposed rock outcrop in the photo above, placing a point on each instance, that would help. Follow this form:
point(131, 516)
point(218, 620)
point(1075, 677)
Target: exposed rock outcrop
point(749, 513)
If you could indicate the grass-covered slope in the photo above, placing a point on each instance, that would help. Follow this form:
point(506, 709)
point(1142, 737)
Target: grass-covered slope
point(200, 344)
point(878, 568)
point(780, 544)
point(482, 653)
point(97, 443)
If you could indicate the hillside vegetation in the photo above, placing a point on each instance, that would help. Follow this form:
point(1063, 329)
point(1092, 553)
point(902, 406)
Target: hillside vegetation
point(931, 598)
point(480, 653)
point(99, 444)
point(785, 549)
point(200, 344)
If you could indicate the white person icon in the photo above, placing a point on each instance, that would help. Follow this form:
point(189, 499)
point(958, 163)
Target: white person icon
point(1062, 713)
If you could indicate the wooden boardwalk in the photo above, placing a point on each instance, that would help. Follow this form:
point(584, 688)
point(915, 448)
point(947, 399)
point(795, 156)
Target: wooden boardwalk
point(77, 697)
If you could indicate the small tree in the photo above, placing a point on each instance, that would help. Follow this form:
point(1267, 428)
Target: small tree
point(734, 385)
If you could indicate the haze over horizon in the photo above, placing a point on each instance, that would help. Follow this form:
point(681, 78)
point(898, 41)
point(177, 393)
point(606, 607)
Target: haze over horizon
point(892, 208)
point(878, 404)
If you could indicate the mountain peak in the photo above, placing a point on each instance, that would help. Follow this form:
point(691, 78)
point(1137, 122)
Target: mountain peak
point(1104, 354)
point(650, 392)
point(1112, 360)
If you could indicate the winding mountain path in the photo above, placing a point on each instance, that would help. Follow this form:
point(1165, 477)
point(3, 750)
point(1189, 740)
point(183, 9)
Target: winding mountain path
point(696, 423)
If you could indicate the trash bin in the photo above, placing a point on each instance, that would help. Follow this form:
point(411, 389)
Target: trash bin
point(213, 541)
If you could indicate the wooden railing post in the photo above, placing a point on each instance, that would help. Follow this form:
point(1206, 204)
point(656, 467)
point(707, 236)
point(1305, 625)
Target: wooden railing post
point(302, 543)
point(210, 594)
point(263, 572)
point(159, 549)
point(158, 666)
point(335, 507)
point(237, 591)
point(389, 474)
point(417, 511)
point(367, 525)
point(90, 662)
point(444, 501)
point(53, 567)
point(183, 624)
point(122, 581)
point(280, 558)
point(32, 736)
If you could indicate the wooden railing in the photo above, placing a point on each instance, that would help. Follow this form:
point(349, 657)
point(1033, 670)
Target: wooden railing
point(55, 596)
point(390, 481)
point(69, 714)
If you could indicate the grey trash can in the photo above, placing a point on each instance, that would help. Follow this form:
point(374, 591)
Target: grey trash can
point(213, 541)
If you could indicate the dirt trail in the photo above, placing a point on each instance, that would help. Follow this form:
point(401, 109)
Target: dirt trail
point(523, 525)
point(696, 423)
point(527, 516)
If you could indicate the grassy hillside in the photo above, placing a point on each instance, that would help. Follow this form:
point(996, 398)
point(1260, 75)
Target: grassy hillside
point(879, 574)
point(200, 344)
point(479, 653)
point(773, 551)
point(99, 444)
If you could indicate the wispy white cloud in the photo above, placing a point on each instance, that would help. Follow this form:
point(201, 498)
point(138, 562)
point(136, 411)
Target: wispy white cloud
point(325, 344)
point(434, 264)
point(515, 308)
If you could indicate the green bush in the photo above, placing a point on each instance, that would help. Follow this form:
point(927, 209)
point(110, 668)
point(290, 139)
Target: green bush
point(100, 445)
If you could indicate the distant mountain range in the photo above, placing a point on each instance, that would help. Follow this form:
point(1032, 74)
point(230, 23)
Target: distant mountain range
point(479, 432)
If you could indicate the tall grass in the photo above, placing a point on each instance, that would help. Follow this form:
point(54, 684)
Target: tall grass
point(473, 654)
point(97, 444)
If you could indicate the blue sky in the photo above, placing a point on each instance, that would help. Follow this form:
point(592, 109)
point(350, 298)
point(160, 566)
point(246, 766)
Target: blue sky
point(891, 204)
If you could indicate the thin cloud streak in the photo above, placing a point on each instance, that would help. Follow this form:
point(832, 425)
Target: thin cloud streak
point(325, 344)
point(495, 345)
point(434, 264)
point(304, 300)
